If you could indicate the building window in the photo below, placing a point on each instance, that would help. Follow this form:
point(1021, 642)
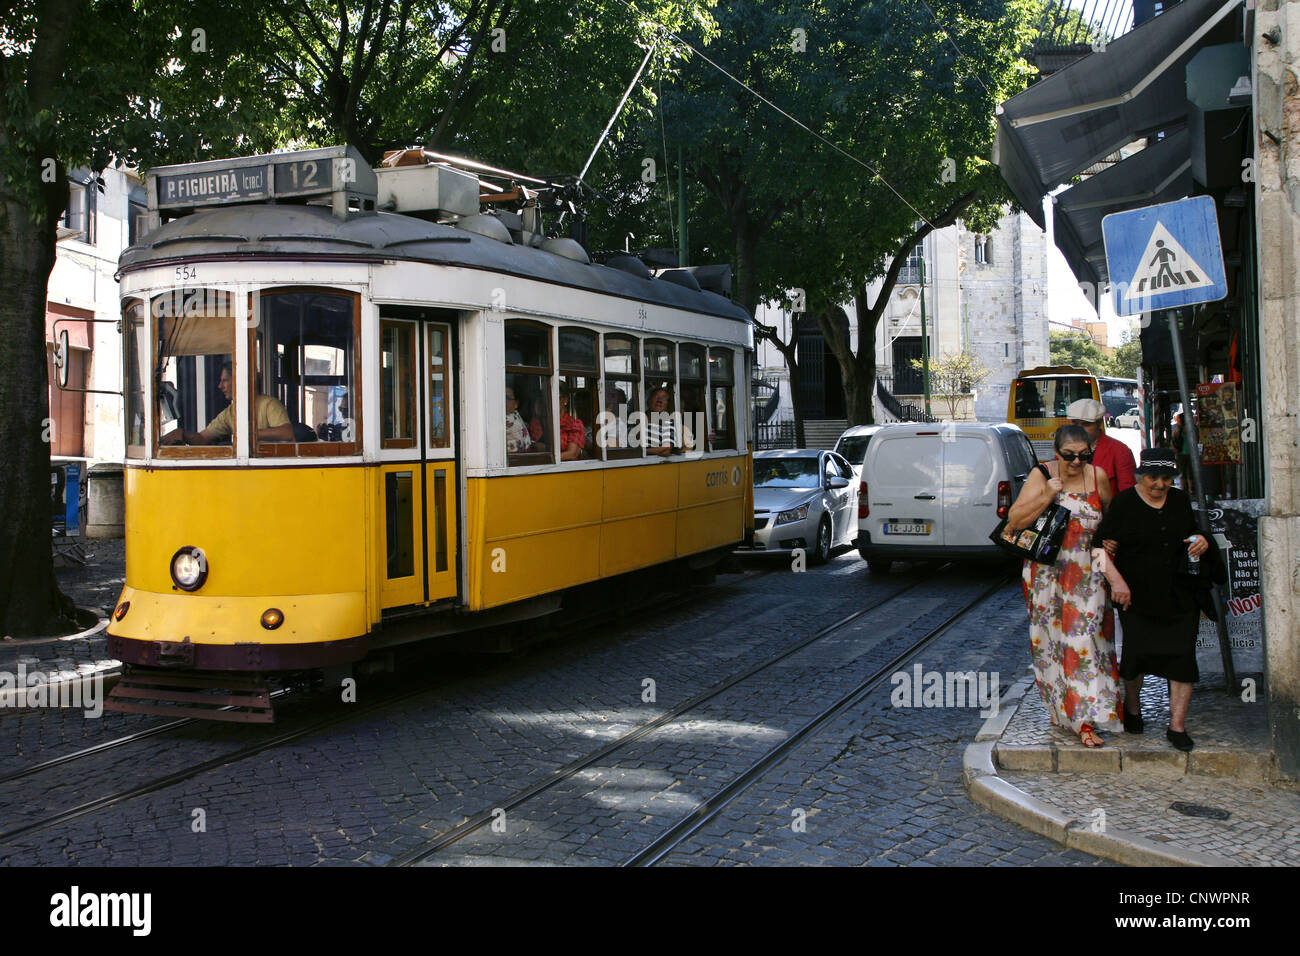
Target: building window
point(528, 394)
point(79, 218)
point(137, 216)
point(910, 274)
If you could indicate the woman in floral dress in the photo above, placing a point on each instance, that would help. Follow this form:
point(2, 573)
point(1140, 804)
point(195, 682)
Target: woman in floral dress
point(1071, 629)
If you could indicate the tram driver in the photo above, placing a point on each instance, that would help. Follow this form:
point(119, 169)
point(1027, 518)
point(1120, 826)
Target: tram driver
point(273, 422)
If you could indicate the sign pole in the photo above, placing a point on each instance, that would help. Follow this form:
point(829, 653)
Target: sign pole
point(1202, 514)
point(925, 339)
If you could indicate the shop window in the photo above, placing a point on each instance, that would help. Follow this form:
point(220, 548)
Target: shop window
point(528, 369)
point(579, 383)
point(721, 387)
point(397, 384)
point(621, 398)
point(304, 379)
point(193, 348)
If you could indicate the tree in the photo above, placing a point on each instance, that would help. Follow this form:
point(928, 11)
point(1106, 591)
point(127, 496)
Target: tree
point(1127, 357)
point(954, 376)
point(84, 83)
point(1078, 349)
point(886, 85)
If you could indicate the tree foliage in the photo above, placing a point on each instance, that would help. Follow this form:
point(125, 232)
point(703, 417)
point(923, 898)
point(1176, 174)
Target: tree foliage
point(952, 377)
point(1078, 349)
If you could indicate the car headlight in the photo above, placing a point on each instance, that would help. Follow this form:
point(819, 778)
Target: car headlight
point(189, 568)
point(794, 514)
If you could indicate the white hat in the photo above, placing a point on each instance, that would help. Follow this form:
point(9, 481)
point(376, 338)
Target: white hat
point(1086, 410)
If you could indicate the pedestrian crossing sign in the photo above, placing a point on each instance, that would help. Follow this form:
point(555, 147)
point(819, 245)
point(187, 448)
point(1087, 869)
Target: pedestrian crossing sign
point(1161, 257)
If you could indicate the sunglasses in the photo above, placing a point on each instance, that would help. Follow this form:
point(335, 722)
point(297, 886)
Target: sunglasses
point(1084, 456)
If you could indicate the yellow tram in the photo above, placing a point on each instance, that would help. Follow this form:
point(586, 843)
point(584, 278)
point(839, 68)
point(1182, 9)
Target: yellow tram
point(362, 411)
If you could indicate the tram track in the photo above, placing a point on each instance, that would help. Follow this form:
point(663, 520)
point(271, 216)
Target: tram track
point(587, 624)
point(569, 771)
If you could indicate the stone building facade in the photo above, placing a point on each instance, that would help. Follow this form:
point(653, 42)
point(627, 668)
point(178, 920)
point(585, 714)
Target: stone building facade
point(983, 292)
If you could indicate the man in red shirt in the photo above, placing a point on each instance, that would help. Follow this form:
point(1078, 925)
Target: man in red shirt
point(1110, 455)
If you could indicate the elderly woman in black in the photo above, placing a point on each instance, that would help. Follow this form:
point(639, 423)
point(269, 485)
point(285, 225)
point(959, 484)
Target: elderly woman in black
point(1150, 532)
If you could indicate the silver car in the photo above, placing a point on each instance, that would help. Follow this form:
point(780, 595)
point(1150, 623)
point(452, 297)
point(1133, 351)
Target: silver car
point(804, 499)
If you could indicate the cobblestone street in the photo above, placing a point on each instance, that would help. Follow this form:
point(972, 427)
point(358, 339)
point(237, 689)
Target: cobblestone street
point(876, 785)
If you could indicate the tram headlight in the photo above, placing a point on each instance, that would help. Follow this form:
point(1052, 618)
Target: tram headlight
point(189, 568)
point(272, 618)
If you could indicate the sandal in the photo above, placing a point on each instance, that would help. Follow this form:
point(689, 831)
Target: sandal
point(1090, 737)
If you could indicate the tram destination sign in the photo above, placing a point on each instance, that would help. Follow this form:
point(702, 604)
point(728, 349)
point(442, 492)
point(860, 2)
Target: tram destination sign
point(314, 172)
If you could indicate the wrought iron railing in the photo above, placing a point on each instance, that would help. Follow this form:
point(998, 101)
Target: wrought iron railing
point(774, 435)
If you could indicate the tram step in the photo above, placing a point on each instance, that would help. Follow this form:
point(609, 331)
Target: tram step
point(206, 696)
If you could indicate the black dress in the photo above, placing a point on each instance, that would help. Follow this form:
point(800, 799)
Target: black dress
point(1161, 623)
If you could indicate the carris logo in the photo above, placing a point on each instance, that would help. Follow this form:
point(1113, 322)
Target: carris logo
point(715, 478)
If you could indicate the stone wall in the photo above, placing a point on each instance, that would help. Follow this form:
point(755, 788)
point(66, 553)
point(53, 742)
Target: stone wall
point(1276, 81)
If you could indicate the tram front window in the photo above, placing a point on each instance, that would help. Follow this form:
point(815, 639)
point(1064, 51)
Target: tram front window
point(194, 333)
point(305, 355)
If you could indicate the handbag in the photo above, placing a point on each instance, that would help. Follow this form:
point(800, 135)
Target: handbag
point(1041, 541)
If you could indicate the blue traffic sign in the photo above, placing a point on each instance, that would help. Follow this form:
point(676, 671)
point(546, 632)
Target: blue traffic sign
point(1161, 257)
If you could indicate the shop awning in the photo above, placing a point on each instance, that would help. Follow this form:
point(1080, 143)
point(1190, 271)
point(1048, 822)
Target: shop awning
point(1135, 87)
point(1160, 173)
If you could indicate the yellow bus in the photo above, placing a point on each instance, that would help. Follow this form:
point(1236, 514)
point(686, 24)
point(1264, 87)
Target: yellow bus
point(1039, 397)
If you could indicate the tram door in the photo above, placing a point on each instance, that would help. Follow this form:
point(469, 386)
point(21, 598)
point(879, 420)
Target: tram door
point(417, 478)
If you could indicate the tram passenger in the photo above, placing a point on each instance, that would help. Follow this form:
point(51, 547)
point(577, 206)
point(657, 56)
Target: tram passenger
point(614, 418)
point(573, 433)
point(660, 434)
point(518, 437)
point(273, 424)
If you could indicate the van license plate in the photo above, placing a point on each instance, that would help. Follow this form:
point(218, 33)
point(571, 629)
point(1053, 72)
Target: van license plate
point(911, 527)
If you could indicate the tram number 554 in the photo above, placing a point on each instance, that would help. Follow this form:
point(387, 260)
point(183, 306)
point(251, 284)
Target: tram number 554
point(185, 273)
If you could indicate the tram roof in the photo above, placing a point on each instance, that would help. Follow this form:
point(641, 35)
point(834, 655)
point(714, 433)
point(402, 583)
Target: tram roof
point(288, 231)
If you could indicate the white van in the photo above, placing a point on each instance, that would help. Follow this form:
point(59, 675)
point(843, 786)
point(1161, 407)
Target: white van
point(937, 490)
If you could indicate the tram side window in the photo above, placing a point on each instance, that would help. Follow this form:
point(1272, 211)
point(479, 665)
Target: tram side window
point(528, 393)
point(193, 348)
point(622, 389)
point(135, 341)
point(305, 375)
point(578, 390)
point(694, 375)
point(721, 384)
point(663, 434)
point(438, 386)
point(397, 384)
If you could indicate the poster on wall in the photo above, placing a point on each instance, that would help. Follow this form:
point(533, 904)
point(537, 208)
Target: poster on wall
point(1217, 423)
point(1235, 530)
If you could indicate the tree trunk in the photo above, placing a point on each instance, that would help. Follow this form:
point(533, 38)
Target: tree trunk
point(30, 602)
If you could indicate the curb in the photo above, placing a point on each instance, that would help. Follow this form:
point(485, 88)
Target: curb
point(990, 791)
point(71, 688)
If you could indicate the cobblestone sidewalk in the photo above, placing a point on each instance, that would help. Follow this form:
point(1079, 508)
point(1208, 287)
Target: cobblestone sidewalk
point(1137, 800)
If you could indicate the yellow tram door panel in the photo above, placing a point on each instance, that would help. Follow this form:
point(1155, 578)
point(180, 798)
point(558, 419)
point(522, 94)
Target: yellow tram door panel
point(442, 531)
point(400, 546)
